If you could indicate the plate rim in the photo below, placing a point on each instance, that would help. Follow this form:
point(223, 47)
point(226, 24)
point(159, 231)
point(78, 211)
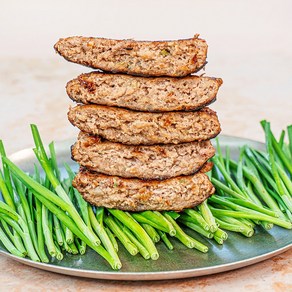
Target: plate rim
point(147, 276)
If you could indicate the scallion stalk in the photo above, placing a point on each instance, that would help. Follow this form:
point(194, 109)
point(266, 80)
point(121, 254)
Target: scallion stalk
point(165, 239)
point(124, 239)
point(137, 229)
point(184, 238)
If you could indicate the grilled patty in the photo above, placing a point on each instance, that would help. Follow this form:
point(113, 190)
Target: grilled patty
point(144, 93)
point(138, 195)
point(144, 162)
point(133, 128)
point(158, 58)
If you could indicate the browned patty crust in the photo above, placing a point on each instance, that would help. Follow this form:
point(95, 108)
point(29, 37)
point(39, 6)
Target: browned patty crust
point(144, 162)
point(134, 128)
point(152, 58)
point(138, 195)
point(144, 93)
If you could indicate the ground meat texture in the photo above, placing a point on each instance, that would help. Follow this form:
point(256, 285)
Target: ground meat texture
point(134, 128)
point(138, 195)
point(144, 162)
point(144, 93)
point(159, 58)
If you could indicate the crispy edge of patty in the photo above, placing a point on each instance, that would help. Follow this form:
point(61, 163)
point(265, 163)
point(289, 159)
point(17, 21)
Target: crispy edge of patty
point(153, 94)
point(132, 127)
point(140, 195)
point(144, 162)
point(80, 50)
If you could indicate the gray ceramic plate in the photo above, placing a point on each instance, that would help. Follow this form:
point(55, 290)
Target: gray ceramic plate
point(238, 251)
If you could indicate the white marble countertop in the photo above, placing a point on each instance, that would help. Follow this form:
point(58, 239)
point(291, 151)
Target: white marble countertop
point(249, 48)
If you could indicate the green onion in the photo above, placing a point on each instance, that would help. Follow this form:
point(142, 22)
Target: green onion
point(9, 245)
point(27, 216)
point(47, 233)
point(99, 229)
point(159, 221)
point(52, 197)
point(7, 178)
point(226, 189)
point(208, 216)
point(59, 254)
point(68, 222)
point(81, 245)
point(124, 239)
point(74, 249)
point(165, 239)
point(197, 218)
point(252, 215)
point(184, 238)
point(276, 146)
point(112, 238)
point(229, 226)
point(5, 192)
point(57, 229)
point(221, 234)
point(15, 220)
point(260, 188)
point(289, 130)
point(253, 206)
point(142, 250)
point(151, 232)
point(227, 176)
point(40, 234)
point(196, 227)
point(137, 229)
point(142, 219)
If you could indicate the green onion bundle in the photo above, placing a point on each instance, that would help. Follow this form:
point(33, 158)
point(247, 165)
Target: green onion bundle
point(44, 217)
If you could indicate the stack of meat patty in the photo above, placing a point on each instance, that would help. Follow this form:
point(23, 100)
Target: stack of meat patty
point(145, 128)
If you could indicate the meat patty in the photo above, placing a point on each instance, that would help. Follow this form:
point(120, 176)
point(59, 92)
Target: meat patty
point(139, 195)
point(144, 93)
point(133, 128)
point(159, 58)
point(144, 162)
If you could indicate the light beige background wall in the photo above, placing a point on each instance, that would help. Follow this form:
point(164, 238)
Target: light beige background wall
point(249, 47)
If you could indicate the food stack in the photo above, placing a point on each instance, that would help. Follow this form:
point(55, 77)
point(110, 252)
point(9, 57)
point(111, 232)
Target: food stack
point(145, 128)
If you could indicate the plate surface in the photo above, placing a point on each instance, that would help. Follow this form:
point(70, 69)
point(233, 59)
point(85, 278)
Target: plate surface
point(238, 251)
